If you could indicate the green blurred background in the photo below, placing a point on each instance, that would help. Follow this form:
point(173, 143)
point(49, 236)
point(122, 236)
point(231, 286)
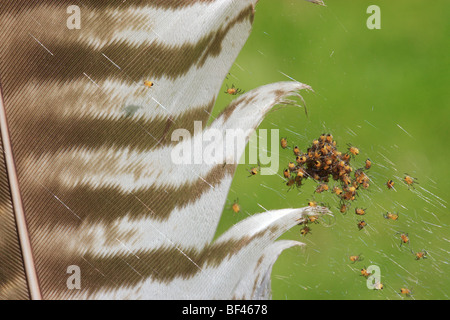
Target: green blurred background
point(384, 91)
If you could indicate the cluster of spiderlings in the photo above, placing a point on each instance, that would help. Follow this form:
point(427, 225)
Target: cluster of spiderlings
point(322, 161)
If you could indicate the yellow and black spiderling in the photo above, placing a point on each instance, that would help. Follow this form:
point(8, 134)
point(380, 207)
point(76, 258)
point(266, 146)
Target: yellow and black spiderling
point(313, 219)
point(148, 83)
point(344, 208)
point(404, 238)
point(391, 216)
point(305, 230)
point(301, 159)
point(368, 164)
point(421, 254)
point(312, 203)
point(356, 258)
point(255, 170)
point(283, 143)
point(233, 90)
point(353, 150)
point(378, 286)
point(337, 191)
point(390, 184)
point(365, 273)
point(410, 181)
point(405, 291)
point(361, 224)
point(291, 166)
point(236, 207)
point(322, 187)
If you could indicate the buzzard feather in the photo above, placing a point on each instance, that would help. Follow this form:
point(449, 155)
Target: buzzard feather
point(86, 172)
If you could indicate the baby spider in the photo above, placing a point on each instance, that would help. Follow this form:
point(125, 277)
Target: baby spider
point(336, 190)
point(365, 185)
point(360, 176)
point(406, 292)
point(378, 286)
point(305, 230)
point(235, 206)
point(344, 208)
point(361, 224)
point(296, 150)
point(355, 259)
point(404, 238)
point(301, 159)
point(365, 273)
point(410, 181)
point(149, 84)
point(368, 164)
point(284, 143)
point(291, 183)
point(353, 150)
point(286, 173)
point(321, 188)
point(323, 137)
point(345, 157)
point(291, 166)
point(233, 90)
point(254, 171)
point(301, 173)
point(313, 219)
point(315, 143)
point(391, 216)
point(312, 203)
point(420, 255)
point(390, 184)
point(318, 164)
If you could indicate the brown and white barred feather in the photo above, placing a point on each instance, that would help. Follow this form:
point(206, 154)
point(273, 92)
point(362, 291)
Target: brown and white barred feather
point(95, 180)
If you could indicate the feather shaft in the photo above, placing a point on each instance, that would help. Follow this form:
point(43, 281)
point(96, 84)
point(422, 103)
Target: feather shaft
point(22, 228)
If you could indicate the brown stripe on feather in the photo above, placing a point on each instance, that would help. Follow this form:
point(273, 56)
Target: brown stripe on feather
point(13, 6)
point(255, 285)
point(260, 260)
point(248, 100)
point(127, 270)
point(109, 203)
point(52, 134)
point(215, 44)
point(68, 62)
point(228, 111)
